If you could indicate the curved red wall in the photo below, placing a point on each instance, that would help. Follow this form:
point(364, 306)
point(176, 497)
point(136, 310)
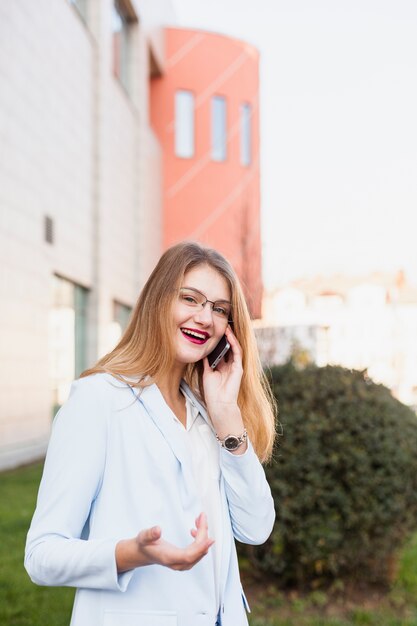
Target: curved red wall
point(216, 203)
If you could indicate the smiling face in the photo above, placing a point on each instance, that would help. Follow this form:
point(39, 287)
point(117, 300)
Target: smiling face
point(198, 330)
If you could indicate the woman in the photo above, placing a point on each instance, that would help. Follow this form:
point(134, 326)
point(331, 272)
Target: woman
point(153, 446)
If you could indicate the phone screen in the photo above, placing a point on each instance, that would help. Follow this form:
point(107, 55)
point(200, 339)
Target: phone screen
point(218, 353)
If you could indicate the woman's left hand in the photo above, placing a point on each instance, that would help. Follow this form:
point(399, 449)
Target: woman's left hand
point(221, 386)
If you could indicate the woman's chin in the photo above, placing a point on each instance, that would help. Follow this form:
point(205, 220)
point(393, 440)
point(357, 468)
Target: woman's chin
point(188, 357)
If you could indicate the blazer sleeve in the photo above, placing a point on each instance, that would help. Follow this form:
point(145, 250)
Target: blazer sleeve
point(56, 554)
point(251, 506)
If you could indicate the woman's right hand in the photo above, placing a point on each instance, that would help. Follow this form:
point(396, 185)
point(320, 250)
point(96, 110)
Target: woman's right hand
point(148, 548)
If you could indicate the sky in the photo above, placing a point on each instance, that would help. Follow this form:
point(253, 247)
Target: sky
point(338, 130)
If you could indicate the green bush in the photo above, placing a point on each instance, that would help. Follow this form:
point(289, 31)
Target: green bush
point(344, 478)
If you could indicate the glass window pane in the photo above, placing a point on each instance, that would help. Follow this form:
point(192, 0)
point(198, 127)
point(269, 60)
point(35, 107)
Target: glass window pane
point(80, 329)
point(184, 124)
point(245, 134)
point(67, 336)
point(218, 128)
point(121, 316)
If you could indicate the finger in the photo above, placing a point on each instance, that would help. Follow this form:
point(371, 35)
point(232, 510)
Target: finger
point(232, 339)
point(201, 519)
point(201, 534)
point(236, 353)
point(202, 549)
point(184, 558)
point(149, 535)
point(193, 531)
point(196, 551)
point(207, 369)
point(202, 528)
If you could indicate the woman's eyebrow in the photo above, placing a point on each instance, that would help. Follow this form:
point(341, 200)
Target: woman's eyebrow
point(203, 294)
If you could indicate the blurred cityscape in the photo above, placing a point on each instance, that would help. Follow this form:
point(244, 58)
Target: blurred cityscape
point(363, 322)
point(121, 134)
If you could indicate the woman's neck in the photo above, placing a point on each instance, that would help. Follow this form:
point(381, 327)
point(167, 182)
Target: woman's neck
point(169, 386)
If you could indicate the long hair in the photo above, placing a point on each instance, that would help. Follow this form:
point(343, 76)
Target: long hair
point(146, 348)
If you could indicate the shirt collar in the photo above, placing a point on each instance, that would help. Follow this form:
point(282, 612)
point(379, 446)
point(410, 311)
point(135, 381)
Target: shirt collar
point(185, 388)
point(192, 412)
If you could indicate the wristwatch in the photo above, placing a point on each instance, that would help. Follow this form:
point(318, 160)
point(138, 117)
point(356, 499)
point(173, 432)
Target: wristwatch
point(232, 442)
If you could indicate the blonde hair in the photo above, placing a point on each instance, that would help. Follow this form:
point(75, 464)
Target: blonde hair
point(139, 352)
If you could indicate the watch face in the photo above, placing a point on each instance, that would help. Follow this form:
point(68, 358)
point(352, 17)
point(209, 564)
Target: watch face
point(231, 443)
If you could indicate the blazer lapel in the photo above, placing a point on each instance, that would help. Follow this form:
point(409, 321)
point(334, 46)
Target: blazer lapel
point(159, 412)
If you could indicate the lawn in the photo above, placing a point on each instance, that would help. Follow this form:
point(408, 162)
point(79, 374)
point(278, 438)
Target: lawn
point(340, 606)
point(21, 602)
point(25, 604)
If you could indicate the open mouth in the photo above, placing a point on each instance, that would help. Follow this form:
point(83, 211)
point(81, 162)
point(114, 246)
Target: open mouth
point(195, 336)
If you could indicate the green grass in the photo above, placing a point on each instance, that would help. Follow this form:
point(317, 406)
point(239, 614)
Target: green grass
point(396, 608)
point(24, 604)
point(407, 579)
point(21, 602)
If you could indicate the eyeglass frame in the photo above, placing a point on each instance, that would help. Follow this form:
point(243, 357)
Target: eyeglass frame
point(228, 318)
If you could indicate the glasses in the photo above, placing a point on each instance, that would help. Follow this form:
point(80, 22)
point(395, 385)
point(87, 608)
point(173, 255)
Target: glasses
point(197, 300)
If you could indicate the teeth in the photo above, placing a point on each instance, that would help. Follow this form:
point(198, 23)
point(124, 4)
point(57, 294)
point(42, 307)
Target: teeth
point(193, 333)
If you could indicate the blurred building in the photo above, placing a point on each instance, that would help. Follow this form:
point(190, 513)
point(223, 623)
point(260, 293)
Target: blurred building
point(361, 323)
point(91, 191)
point(205, 112)
point(80, 194)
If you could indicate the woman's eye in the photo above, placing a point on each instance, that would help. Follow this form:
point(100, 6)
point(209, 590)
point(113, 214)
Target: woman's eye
point(221, 311)
point(189, 299)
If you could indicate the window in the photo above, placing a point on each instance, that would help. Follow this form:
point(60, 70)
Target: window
point(81, 6)
point(218, 128)
point(184, 124)
point(121, 315)
point(122, 20)
point(80, 328)
point(245, 134)
point(49, 229)
point(67, 336)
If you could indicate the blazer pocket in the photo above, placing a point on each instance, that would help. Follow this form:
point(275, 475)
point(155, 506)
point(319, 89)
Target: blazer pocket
point(140, 618)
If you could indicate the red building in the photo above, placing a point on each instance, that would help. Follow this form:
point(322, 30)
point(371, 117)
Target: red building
point(205, 113)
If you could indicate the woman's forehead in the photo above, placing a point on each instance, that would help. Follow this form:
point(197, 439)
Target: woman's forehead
point(209, 281)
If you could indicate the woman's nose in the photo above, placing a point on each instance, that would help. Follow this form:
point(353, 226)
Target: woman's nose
point(205, 314)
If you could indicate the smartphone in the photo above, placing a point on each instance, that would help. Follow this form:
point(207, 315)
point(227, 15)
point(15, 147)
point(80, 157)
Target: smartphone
point(218, 353)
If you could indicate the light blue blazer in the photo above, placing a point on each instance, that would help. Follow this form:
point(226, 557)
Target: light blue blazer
point(115, 465)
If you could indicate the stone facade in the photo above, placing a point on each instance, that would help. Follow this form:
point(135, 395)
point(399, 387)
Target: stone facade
point(77, 150)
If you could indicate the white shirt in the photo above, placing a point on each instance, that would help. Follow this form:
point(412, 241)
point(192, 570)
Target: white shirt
point(205, 455)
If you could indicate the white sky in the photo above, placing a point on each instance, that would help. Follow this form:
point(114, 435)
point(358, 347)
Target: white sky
point(338, 129)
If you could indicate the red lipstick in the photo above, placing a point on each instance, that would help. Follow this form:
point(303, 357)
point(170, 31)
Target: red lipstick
point(195, 336)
